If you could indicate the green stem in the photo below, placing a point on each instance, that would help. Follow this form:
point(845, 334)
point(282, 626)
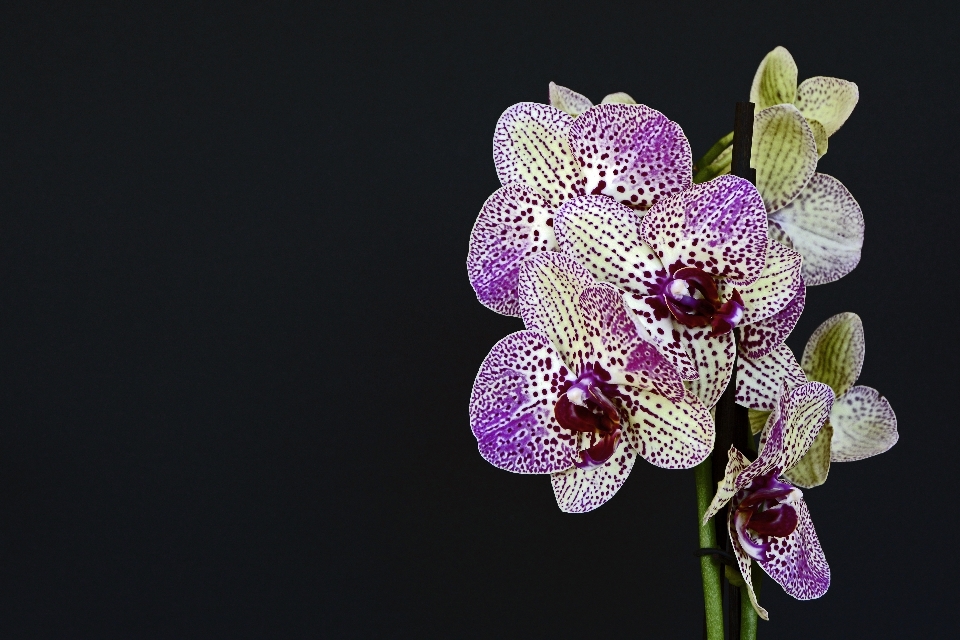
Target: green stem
point(714, 151)
point(748, 616)
point(709, 567)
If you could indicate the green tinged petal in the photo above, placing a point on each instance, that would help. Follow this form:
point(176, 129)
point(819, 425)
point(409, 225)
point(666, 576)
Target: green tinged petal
point(618, 98)
point(814, 466)
point(758, 419)
point(568, 100)
point(784, 154)
point(775, 81)
point(829, 101)
point(819, 135)
point(834, 353)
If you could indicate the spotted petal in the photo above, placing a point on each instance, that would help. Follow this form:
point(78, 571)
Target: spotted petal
point(744, 563)
point(760, 338)
point(759, 380)
point(798, 418)
point(776, 286)
point(726, 488)
point(834, 353)
point(775, 81)
point(825, 224)
point(618, 98)
point(631, 153)
point(864, 425)
point(604, 237)
point(797, 562)
point(511, 406)
point(830, 101)
point(582, 490)
point(568, 100)
point(530, 147)
point(514, 223)
point(717, 226)
point(671, 434)
point(784, 154)
point(713, 357)
point(814, 466)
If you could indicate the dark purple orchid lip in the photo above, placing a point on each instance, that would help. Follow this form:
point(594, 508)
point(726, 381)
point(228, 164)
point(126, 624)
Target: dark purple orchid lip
point(691, 296)
point(764, 510)
point(585, 407)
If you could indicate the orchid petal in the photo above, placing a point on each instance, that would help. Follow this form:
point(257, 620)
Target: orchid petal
point(776, 286)
point(789, 434)
point(830, 101)
point(713, 356)
point(825, 224)
point(603, 236)
point(864, 425)
point(511, 411)
point(619, 347)
point(834, 353)
point(744, 562)
point(760, 338)
point(758, 420)
point(568, 100)
point(631, 153)
point(759, 380)
point(670, 434)
point(717, 226)
point(582, 490)
point(775, 81)
point(784, 154)
point(813, 468)
point(530, 147)
point(514, 223)
point(797, 562)
point(618, 98)
point(820, 136)
point(726, 488)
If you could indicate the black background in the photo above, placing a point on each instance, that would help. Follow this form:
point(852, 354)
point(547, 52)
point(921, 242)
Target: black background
point(239, 340)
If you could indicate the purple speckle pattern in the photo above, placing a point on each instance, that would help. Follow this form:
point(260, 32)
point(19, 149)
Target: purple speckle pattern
point(631, 153)
point(829, 101)
point(511, 406)
point(604, 236)
point(582, 490)
point(760, 380)
point(568, 100)
point(864, 425)
point(824, 224)
point(718, 226)
point(797, 561)
point(514, 223)
point(798, 417)
point(776, 286)
point(759, 338)
point(713, 357)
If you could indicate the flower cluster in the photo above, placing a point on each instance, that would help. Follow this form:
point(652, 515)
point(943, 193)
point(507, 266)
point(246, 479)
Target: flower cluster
point(645, 290)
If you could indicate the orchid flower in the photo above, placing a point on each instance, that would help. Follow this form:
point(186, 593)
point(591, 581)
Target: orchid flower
point(810, 212)
point(694, 267)
point(571, 102)
point(579, 394)
point(862, 423)
point(544, 158)
point(768, 520)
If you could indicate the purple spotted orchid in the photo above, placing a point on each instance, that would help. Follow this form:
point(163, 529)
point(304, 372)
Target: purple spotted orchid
point(694, 267)
point(580, 394)
point(768, 520)
point(544, 157)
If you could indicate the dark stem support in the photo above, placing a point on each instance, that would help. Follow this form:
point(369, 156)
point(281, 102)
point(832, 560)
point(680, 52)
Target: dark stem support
point(732, 421)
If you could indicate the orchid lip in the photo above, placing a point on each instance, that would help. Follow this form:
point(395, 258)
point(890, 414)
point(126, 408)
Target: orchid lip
point(586, 407)
point(693, 300)
point(765, 510)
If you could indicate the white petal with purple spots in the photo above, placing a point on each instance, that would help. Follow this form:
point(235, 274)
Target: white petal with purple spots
point(530, 147)
point(631, 153)
point(759, 338)
point(864, 425)
point(582, 490)
point(744, 563)
point(797, 562)
point(671, 435)
point(759, 380)
point(718, 226)
point(798, 418)
point(713, 358)
point(726, 488)
point(514, 223)
point(568, 100)
point(512, 406)
point(776, 286)
point(825, 224)
point(830, 101)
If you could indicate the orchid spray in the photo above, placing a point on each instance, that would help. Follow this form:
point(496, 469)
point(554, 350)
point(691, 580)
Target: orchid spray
point(657, 295)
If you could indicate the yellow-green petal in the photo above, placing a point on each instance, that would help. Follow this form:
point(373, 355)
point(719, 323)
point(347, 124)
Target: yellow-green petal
point(814, 466)
point(618, 98)
point(784, 154)
point(820, 136)
point(775, 81)
point(834, 353)
point(758, 420)
point(568, 100)
point(829, 101)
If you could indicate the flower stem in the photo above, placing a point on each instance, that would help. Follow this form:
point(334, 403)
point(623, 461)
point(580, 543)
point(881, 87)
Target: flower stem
point(709, 567)
point(748, 616)
point(714, 151)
